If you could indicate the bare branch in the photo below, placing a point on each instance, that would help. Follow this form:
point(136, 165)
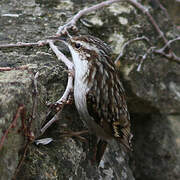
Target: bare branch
point(144, 57)
point(21, 44)
point(129, 42)
point(35, 82)
point(47, 125)
point(167, 45)
point(35, 93)
point(171, 55)
point(11, 68)
point(69, 88)
point(61, 56)
point(21, 160)
point(151, 19)
point(12, 125)
point(60, 103)
point(73, 21)
point(85, 11)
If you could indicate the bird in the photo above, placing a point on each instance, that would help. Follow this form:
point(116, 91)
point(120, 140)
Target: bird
point(98, 92)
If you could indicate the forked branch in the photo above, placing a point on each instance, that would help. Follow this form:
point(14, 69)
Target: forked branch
point(22, 44)
point(76, 17)
point(129, 42)
point(58, 106)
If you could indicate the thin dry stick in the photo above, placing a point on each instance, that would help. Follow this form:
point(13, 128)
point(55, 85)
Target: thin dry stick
point(21, 160)
point(75, 134)
point(171, 55)
point(69, 88)
point(73, 21)
point(11, 68)
point(21, 44)
point(167, 45)
point(61, 102)
point(85, 11)
point(151, 19)
point(61, 56)
point(35, 82)
point(35, 93)
point(127, 43)
point(48, 124)
point(144, 57)
point(70, 67)
point(12, 125)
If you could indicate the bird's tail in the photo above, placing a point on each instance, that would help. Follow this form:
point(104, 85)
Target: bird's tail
point(126, 141)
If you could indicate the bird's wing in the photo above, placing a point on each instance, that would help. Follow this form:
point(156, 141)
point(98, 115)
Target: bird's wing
point(109, 110)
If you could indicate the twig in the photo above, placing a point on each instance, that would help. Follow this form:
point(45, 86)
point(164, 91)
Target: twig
point(73, 21)
point(85, 11)
point(151, 19)
point(167, 45)
point(10, 69)
point(21, 44)
point(48, 124)
point(127, 43)
point(35, 93)
point(171, 55)
point(164, 10)
point(69, 88)
point(61, 56)
point(60, 103)
point(21, 160)
point(35, 82)
point(144, 57)
point(12, 125)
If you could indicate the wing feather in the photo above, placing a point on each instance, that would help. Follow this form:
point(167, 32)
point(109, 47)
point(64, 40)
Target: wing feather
point(107, 105)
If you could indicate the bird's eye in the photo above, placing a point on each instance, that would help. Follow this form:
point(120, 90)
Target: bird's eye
point(77, 45)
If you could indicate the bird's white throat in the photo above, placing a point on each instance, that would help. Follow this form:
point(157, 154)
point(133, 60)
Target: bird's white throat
point(81, 65)
point(80, 85)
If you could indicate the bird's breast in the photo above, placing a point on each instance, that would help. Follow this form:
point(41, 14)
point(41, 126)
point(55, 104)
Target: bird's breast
point(80, 91)
point(80, 84)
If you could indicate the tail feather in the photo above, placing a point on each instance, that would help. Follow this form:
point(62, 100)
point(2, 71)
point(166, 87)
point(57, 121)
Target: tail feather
point(126, 142)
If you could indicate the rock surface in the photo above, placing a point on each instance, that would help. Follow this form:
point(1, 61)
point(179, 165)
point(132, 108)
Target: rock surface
point(153, 94)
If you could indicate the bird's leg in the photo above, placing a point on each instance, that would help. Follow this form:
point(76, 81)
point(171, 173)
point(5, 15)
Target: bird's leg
point(68, 133)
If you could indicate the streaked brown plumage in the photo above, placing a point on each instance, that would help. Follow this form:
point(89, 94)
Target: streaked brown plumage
point(98, 92)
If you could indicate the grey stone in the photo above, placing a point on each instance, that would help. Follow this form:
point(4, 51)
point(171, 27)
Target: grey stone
point(152, 94)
